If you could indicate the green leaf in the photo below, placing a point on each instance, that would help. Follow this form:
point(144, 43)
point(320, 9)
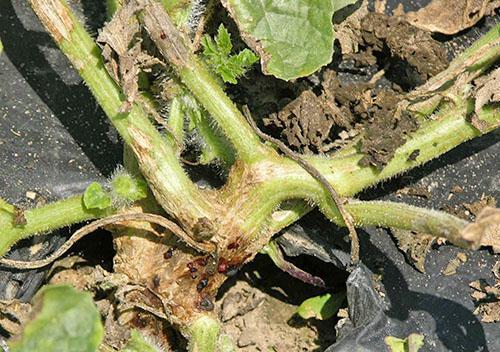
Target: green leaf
point(66, 321)
point(137, 343)
point(411, 344)
point(95, 197)
point(218, 54)
point(321, 307)
point(223, 41)
point(294, 38)
point(340, 4)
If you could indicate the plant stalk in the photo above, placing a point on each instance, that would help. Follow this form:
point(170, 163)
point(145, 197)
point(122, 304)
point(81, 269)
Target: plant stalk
point(204, 334)
point(44, 219)
point(155, 154)
point(174, 46)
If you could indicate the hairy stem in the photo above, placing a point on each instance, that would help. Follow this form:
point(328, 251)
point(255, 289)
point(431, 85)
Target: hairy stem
point(203, 334)
point(195, 75)
point(155, 154)
point(44, 219)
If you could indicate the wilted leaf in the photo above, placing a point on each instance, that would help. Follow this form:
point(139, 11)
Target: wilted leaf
point(411, 344)
point(294, 38)
point(488, 90)
point(321, 307)
point(95, 197)
point(67, 321)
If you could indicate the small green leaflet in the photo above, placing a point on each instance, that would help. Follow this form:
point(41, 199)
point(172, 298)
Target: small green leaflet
point(294, 38)
point(65, 320)
point(95, 197)
point(321, 307)
point(411, 344)
point(218, 54)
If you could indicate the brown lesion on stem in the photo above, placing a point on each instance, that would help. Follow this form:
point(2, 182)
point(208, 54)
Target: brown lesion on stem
point(56, 16)
point(170, 41)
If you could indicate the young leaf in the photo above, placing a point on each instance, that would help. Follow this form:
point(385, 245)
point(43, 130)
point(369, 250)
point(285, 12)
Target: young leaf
point(66, 320)
point(218, 54)
point(411, 344)
point(95, 197)
point(294, 38)
point(321, 307)
point(223, 41)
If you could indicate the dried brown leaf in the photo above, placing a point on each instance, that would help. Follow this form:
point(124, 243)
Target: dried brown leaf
point(451, 16)
point(122, 51)
point(414, 246)
point(348, 31)
point(489, 312)
point(13, 315)
point(454, 264)
point(488, 90)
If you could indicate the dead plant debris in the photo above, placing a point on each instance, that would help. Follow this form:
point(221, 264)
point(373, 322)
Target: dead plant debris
point(416, 191)
point(476, 207)
point(451, 16)
point(405, 42)
point(415, 247)
point(487, 92)
point(308, 121)
point(348, 28)
point(122, 50)
point(486, 227)
point(454, 264)
point(262, 322)
point(386, 131)
point(487, 298)
point(13, 315)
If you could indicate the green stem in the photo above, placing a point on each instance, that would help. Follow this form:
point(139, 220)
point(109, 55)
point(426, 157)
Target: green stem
point(196, 76)
point(155, 154)
point(407, 217)
point(216, 146)
point(44, 219)
point(112, 6)
point(204, 334)
point(176, 119)
point(449, 129)
point(435, 137)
